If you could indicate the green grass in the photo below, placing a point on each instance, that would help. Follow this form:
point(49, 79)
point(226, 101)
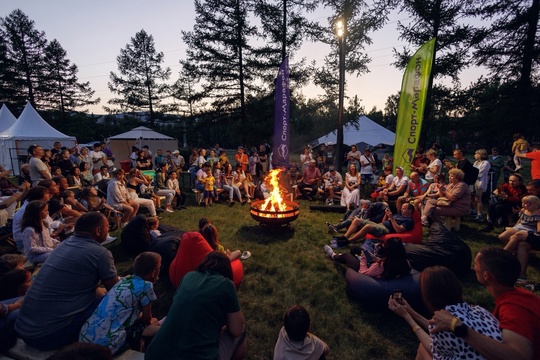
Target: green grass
point(288, 266)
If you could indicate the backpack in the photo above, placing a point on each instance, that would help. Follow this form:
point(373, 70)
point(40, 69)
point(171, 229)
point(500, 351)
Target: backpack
point(471, 173)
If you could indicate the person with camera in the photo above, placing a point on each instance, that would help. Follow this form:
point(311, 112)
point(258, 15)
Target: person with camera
point(441, 290)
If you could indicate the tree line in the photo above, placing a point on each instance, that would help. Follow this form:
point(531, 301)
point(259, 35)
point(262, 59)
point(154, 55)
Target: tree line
point(224, 90)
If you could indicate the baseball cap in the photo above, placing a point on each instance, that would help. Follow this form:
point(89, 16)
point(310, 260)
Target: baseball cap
point(176, 152)
point(331, 168)
point(365, 202)
point(240, 147)
point(329, 143)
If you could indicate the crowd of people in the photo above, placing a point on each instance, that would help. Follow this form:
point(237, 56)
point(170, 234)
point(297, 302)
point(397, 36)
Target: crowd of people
point(77, 295)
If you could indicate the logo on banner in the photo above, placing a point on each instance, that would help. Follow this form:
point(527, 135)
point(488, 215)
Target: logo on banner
point(408, 156)
point(283, 151)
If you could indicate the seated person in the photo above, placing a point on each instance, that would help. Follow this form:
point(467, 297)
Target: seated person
point(126, 309)
point(431, 193)
point(367, 210)
point(416, 187)
point(295, 340)
point(15, 283)
point(8, 204)
point(390, 224)
point(68, 197)
point(35, 193)
point(397, 188)
point(332, 184)
point(102, 174)
point(38, 241)
point(310, 179)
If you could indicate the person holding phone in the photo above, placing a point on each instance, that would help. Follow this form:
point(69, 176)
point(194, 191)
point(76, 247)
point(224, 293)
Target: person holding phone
point(441, 289)
point(389, 263)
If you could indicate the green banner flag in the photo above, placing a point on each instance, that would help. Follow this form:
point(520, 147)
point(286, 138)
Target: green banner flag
point(412, 102)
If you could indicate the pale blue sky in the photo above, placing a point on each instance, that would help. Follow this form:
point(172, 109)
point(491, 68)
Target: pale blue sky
point(93, 32)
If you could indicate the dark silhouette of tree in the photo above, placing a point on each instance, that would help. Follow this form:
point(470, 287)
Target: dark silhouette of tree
point(141, 80)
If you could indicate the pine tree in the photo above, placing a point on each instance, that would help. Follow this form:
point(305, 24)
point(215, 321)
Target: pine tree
point(60, 87)
point(25, 48)
point(141, 82)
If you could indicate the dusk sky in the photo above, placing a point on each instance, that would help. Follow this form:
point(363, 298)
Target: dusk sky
point(93, 32)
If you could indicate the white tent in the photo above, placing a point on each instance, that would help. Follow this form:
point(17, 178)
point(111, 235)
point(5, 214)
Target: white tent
point(29, 129)
point(6, 118)
point(364, 131)
point(121, 144)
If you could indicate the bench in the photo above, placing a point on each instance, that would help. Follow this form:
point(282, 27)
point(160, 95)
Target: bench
point(199, 194)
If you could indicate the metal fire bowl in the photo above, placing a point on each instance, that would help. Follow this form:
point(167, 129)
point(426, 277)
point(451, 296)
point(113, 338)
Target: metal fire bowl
point(274, 218)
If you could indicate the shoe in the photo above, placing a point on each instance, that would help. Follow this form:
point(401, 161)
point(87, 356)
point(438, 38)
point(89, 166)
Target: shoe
point(243, 202)
point(331, 203)
point(160, 210)
point(113, 226)
point(518, 168)
point(488, 228)
point(169, 210)
point(479, 219)
point(245, 255)
point(340, 238)
point(182, 207)
point(310, 198)
point(231, 204)
point(328, 250)
point(333, 244)
point(109, 240)
point(331, 228)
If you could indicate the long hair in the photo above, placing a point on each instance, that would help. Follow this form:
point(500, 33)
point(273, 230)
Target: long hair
point(209, 232)
point(440, 287)
point(32, 216)
point(395, 260)
point(218, 262)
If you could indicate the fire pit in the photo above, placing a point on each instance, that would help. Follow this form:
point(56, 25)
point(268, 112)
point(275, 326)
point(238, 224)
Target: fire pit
point(274, 210)
point(271, 216)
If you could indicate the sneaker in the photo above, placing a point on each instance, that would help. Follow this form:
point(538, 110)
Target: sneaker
point(231, 203)
point(331, 203)
point(169, 210)
point(331, 228)
point(479, 218)
point(109, 240)
point(333, 244)
point(243, 202)
point(328, 250)
point(160, 209)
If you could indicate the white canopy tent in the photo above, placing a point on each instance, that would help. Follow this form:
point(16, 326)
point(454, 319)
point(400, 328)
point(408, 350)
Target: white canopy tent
point(364, 131)
point(29, 129)
point(121, 144)
point(7, 119)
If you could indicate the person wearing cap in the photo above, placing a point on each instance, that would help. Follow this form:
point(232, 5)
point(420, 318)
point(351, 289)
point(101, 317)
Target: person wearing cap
point(332, 184)
point(367, 165)
point(310, 179)
point(178, 162)
point(241, 158)
point(397, 187)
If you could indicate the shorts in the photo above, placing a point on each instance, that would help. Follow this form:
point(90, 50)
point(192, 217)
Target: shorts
point(336, 188)
point(378, 229)
point(533, 240)
point(366, 178)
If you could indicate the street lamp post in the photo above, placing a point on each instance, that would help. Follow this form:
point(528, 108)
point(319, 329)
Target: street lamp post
point(340, 32)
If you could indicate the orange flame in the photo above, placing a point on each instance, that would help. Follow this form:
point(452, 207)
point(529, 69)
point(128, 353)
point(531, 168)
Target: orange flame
point(275, 201)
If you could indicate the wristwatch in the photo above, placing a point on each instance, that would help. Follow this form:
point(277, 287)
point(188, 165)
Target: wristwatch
point(461, 331)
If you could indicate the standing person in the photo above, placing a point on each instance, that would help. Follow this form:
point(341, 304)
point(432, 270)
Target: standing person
point(434, 167)
point(98, 158)
point(38, 170)
point(420, 162)
point(353, 157)
point(442, 291)
point(205, 320)
point(160, 157)
point(310, 179)
point(469, 171)
point(64, 293)
point(481, 184)
point(440, 152)
point(330, 155)
point(305, 158)
point(497, 163)
point(367, 165)
point(212, 158)
point(295, 341)
point(84, 155)
point(520, 146)
point(263, 156)
point(517, 310)
point(534, 155)
point(209, 187)
point(241, 158)
point(178, 163)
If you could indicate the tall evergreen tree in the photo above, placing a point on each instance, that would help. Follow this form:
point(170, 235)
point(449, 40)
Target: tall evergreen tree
point(25, 47)
point(510, 49)
point(9, 83)
point(218, 48)
point(141, 82)
point(60, 86)
point(187, 92)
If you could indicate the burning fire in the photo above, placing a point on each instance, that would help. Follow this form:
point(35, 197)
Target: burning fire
point(275, 201)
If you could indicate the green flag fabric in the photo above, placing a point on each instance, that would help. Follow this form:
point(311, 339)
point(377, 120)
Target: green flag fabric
point(412, 101)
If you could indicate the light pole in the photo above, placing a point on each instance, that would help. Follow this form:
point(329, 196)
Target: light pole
point(340, 32)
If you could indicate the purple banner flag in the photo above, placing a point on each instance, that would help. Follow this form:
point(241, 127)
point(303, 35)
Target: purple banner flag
point(280, 156)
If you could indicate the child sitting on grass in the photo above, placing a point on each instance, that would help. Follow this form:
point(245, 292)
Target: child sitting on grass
point(294, 340)
point(119, 320)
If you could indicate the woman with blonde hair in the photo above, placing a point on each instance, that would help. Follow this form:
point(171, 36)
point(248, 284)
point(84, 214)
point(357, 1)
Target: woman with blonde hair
point(481, 184)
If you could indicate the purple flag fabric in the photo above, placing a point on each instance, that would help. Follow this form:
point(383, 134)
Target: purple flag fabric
point(282, 124)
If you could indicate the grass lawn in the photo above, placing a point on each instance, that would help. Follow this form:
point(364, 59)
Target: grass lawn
point(289, 266)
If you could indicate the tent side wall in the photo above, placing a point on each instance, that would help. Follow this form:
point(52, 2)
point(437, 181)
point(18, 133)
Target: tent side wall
point(121, 148)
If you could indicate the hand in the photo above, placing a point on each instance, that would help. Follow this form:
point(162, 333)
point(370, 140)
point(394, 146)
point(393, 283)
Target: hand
point(441, 321)
point(397, 308)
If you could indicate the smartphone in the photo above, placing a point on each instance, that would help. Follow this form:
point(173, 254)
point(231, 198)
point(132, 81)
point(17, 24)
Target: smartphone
point(398, 296)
